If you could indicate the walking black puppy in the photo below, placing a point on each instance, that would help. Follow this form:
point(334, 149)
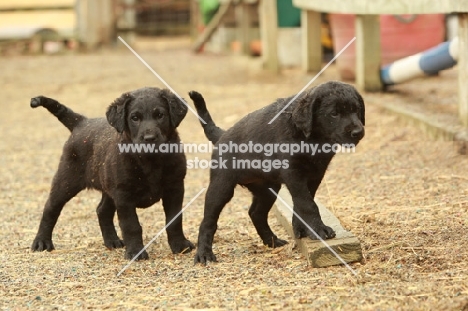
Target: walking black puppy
point(331, 113)
point(91, 159)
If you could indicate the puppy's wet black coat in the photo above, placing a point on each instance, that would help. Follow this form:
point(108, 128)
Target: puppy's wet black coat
point(91, 159)
point(331, 113)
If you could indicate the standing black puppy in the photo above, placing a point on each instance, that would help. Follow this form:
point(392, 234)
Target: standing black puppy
point(331, 113)
point(91, 159)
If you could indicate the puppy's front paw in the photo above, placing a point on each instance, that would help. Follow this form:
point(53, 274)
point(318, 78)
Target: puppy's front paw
point(113, 244)
point(275, 242)
point(204, 257)
point(181, 246)
point(129, 254)
point(40, 245)
point(320, 231)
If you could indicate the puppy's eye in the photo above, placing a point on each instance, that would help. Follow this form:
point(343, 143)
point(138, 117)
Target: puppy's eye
point(135, 118)
point(334, 114)
point(159, 115)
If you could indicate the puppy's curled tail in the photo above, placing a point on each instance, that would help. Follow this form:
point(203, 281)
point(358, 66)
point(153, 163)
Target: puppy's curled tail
point(212, 132)
point(68, 117)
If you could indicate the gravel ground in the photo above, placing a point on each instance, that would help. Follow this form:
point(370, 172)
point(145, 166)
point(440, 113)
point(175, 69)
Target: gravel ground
point(404, 196)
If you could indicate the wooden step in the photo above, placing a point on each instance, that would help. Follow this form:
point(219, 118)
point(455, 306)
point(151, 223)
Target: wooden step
point(345, 244)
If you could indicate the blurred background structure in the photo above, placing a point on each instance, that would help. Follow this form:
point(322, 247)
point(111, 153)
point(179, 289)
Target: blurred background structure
point(285, 33)
point(217, 26)
point(90, 23)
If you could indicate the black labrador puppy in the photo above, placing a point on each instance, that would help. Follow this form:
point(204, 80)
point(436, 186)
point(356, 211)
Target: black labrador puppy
point(329, 114)
point(92, 159)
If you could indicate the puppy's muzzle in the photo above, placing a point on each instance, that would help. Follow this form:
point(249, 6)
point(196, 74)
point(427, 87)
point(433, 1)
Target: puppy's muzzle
point(149, 138)
point(357, 133)
point(152, 136)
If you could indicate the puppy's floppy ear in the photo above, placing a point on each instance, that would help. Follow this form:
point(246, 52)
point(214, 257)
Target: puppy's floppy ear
point(302, 114)
point(177, 109)
point(117, 112)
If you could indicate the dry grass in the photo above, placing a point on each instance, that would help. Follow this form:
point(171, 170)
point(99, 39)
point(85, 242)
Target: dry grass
point(404, 196)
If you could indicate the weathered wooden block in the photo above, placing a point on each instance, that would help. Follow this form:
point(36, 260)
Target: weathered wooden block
point(345, 244)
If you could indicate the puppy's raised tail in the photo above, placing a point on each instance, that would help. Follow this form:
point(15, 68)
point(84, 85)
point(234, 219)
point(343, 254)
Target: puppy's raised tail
point(68, 117)
point(212, 132)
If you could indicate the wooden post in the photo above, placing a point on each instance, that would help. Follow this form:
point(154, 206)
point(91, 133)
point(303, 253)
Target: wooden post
point(269, 34)
point(128, 21)
point(194, 19)
point(95, 22)
point(244, 21)
point(311, 41)
point(92, 27)
point(87, 19)
point(107, 25)
point(80, 21)
point(463, 68)
point(368, 53)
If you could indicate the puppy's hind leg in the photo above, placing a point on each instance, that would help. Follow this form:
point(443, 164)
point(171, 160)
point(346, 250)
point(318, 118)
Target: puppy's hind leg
point(106, 211)
point(66, 184)
point(219, 193)
point(262, 202)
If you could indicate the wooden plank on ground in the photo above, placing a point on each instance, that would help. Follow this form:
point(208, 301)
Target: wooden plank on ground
point(345, 244)
point(463, 68)
point(212, 26)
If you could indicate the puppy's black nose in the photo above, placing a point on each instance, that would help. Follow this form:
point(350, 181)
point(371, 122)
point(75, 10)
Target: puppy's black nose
point(149, 137)
point(357, 133)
